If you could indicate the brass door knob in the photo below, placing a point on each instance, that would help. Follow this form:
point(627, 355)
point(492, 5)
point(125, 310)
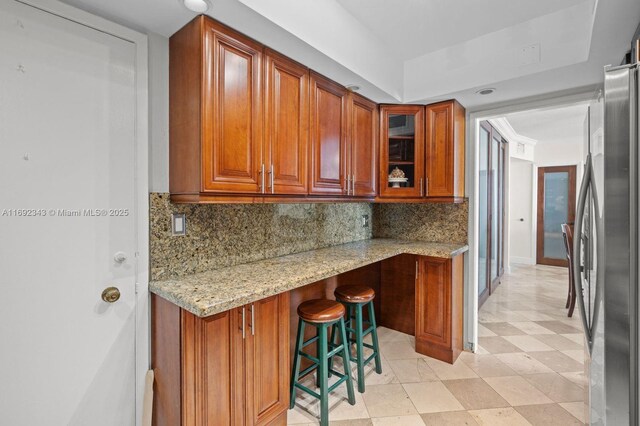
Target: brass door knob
point(110, 294)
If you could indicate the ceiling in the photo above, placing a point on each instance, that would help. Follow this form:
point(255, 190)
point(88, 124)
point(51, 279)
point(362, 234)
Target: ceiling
point(422, 50)
point(551, 126)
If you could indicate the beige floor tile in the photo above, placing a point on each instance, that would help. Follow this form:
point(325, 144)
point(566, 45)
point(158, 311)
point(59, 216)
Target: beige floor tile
point(353, 422)
point(399, 349)
point(446, 371)
point(577, 354)
point(557, 361)
point(503, 328)
point(528, 343)
point(517, 391)
point(388, 400)
point(414, 420)
point(499, 417)
point(530, 327)
point(575, 337)
point(484, 331)
point(558, 327)
point(559, 342)
point(450, 418)
point(577, 377)
point(488, 366)
point(556, 387)
point(534, 315)
point(475, 394)
point(498, 345)
point(547, 414)
point(432, 397)
point(481, 351)
point(412, 370)
point(577, 409)
point(523, 363)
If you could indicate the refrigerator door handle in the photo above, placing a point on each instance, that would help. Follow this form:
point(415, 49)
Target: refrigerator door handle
point(588, 321)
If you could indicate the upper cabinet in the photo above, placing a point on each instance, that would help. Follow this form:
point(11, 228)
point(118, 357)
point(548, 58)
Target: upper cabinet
point(248, 124)
point(445, 149)
point(215, 110)
point(328, 137)
point(287, 125)
point(422, 152)
point(402, 151)
point(361, 149)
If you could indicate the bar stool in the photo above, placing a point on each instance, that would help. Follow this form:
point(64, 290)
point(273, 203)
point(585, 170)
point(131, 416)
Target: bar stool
point(322, 314)
point(355, 298)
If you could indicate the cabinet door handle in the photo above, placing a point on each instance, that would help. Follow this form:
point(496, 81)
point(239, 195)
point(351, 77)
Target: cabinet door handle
point(348, 184)
point(416, 270)
point(253, 320)
point(272, 178)
point(421, 187)
point(243, 333)
point(426, 187)
point(353, 184)
point(262, 178)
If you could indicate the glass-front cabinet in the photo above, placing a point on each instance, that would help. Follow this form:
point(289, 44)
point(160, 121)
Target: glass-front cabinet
point(402, 151)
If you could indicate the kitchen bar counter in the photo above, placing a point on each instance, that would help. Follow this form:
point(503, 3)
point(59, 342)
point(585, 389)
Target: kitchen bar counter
point(220, 290)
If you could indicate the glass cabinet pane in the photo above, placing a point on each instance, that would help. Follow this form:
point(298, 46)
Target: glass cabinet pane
point(401, 141)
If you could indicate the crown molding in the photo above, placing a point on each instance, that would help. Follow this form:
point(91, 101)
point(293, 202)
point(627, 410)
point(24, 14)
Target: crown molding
point(503, 126)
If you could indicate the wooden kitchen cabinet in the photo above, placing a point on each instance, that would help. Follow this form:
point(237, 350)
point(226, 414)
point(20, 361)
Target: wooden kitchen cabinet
point(445, 136)
point(328, 138)
point(287, 125)
point(439, 307)
point(226, 369)
point(402, 147)
point(361, 147)
point(216, 116)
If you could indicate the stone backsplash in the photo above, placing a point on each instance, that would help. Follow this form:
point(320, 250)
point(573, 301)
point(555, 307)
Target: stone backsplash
point(220, 235)
point(434, 222)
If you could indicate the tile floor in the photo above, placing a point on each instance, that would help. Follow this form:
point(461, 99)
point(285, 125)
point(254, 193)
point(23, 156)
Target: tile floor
point(528, 369)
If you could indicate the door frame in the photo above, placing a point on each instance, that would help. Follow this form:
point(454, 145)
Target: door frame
point(572, 170)
point(142, 324)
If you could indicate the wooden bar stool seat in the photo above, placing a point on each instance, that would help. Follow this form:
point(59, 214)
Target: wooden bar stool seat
point(321, 311)
point(355, 298)
point(321, 314)
point(354, 294)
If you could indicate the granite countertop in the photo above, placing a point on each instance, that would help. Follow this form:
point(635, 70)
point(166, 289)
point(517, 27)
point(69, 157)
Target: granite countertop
point(208, 293)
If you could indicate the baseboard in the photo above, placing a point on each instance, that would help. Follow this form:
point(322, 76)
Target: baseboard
point(522, 260)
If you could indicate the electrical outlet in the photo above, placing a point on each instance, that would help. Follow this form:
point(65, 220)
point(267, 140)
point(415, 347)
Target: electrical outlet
point(178, 224)
point(365, 220)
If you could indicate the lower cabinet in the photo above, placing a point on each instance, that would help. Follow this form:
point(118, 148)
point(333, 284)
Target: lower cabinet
point(439, 307)
point(231, 368)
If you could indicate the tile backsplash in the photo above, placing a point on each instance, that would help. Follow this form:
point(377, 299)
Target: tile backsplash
point(220, 235)
point(435, 222)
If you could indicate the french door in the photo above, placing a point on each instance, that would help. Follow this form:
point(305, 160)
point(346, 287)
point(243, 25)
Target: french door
point(556, 205)
point(491, 210)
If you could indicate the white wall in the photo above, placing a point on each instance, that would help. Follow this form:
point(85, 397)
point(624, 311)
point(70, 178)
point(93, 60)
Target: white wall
point(158, 113)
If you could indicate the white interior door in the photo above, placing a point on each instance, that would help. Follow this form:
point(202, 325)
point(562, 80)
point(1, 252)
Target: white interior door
point(67, 206)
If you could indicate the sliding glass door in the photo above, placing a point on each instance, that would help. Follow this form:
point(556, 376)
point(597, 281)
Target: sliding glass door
point(491, 210)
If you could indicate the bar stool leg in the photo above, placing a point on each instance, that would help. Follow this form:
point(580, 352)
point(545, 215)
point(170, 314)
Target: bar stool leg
point(347, 362)
point(334, 332)
point(323, 377)
point(374, 337)
point(296, 364)
point(359, 348)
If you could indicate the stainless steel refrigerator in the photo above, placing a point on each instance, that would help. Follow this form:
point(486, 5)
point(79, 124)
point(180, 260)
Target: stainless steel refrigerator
point(606, 249)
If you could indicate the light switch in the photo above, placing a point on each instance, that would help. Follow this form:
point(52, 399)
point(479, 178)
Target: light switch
point(178, 224)
point(365, 220)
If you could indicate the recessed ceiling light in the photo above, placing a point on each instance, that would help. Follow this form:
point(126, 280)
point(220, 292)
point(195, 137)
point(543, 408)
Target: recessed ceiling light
point(486, 91)
point(198, 6)
point(353, 87)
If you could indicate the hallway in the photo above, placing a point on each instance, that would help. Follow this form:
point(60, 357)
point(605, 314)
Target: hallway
point(528, 369)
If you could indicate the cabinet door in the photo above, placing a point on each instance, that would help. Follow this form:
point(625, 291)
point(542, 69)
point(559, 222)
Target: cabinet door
point(433, 301)
point(267, 359)
point(231, 112)
point(402, 150)
point(287, 125)
point(363, 134)
point(445, 150)
point(212, 369)
point(328, 136)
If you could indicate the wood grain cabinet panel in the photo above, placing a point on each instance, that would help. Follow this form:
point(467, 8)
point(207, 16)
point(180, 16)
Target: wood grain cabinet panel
point(362, 137)
point(287, 125)
point(226, 369)
point(328, 136)
point(439, 306)
point(445, 135)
